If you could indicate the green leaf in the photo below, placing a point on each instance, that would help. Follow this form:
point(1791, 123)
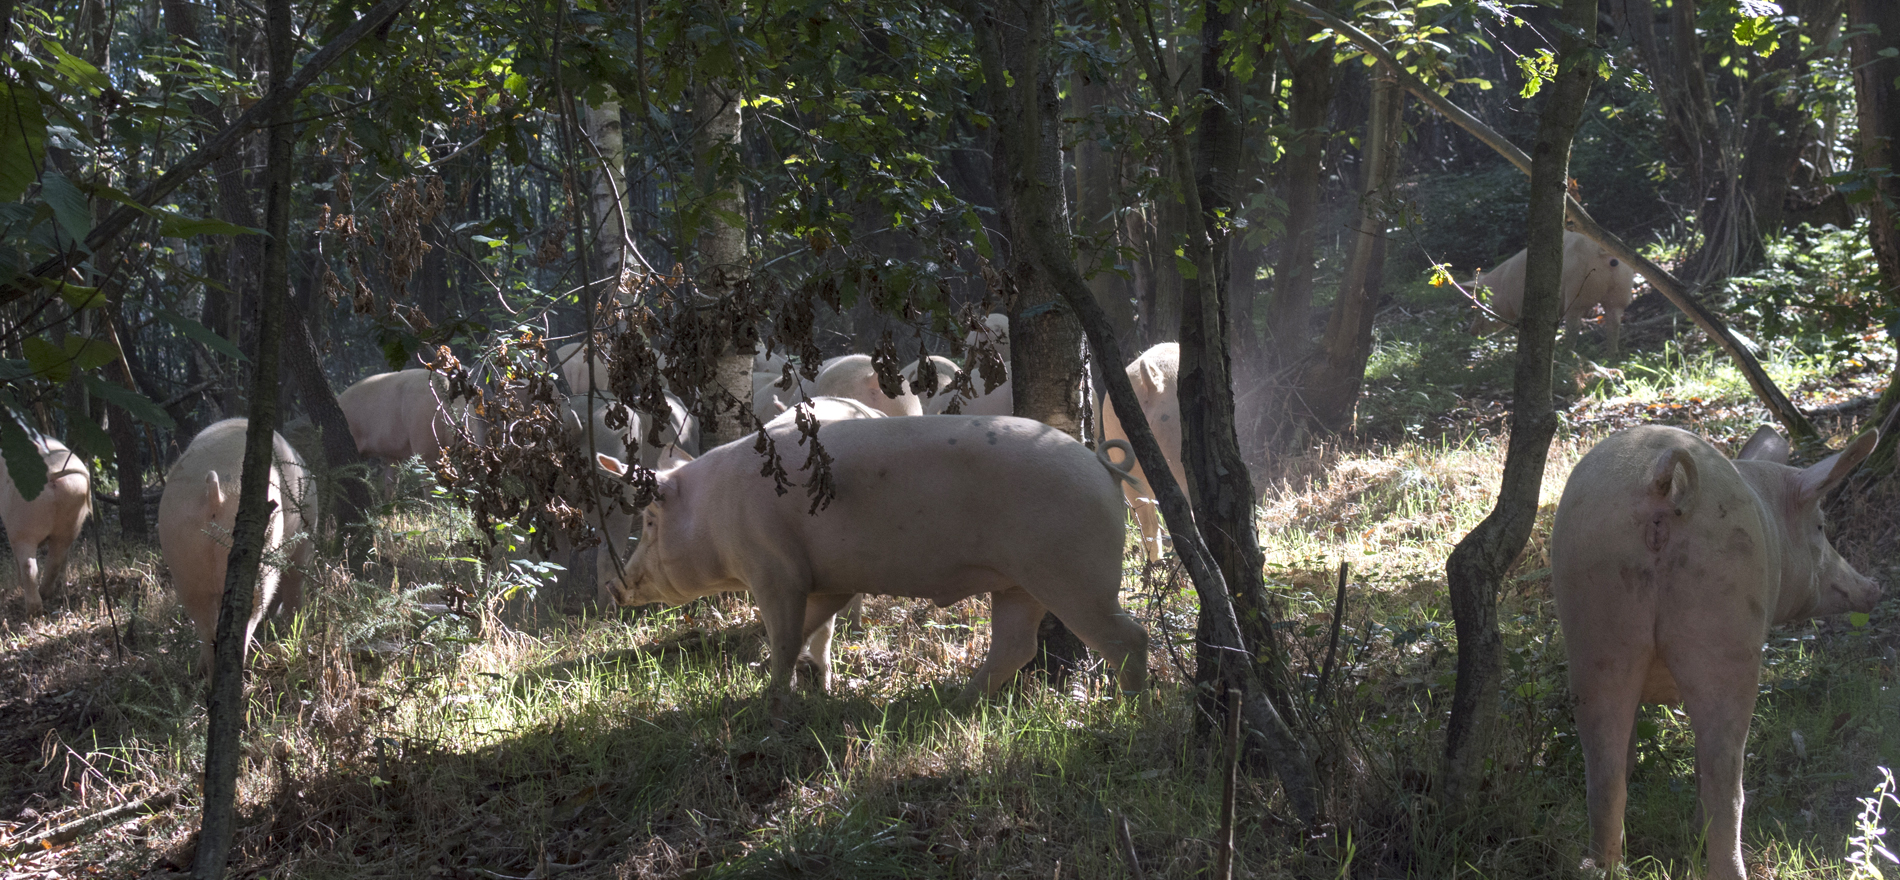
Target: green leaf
point(131, 401)
point(90, 354)
point(1185, 266)
point(22, 140)
point(977, 234)
point(76, 296)
point(201, 333)
point(180, 226)
point(24, 464)
point(86, 437)
point(78, 70)
point(1749, 30)
point(49, 361)
point(70, 206)
point(1858, 619)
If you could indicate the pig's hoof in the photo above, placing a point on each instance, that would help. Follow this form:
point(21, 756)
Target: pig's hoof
point(34, 609)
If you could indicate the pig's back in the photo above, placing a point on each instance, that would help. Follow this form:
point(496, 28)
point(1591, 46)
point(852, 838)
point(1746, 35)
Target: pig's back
point(942, 507)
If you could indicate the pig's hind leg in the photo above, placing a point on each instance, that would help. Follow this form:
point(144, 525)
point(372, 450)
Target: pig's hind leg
point(1097, 618)
point(1718, 690)
point(26, 565)
point(821, 614)
point(1608, 682)
point(1014, 617)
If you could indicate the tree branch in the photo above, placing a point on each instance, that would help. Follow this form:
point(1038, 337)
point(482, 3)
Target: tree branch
point(157, 190)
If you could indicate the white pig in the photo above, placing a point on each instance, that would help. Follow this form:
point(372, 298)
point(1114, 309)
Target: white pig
point(826, 410)
point(1155, 375)
point(198, 511)
point(52, 518)
point(934, 507)
point(771, 394)
point(396, 415)
point(574, 364)
point(997, 401)
point(1591, 277)
point(996, 328)
point(852, 376)
point(1669, 563)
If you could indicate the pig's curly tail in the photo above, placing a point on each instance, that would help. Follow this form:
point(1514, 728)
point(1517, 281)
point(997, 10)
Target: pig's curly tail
point(1124, 472)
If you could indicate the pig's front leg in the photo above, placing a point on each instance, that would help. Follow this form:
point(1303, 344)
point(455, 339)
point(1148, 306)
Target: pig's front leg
point(782, 602)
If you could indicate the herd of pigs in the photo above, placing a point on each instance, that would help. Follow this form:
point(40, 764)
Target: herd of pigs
point(1669, 560)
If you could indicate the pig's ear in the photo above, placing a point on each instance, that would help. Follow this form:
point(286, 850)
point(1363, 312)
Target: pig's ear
point(1816, 480)
point(610, 464)
point(1766, 445)
point(1157, 377)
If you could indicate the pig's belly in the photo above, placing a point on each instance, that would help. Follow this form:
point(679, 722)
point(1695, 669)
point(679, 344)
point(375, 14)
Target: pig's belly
point(893, 572)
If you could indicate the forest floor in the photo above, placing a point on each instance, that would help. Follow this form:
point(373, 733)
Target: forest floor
point(395, 733)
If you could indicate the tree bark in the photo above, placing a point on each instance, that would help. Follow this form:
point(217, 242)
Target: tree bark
point(1876, 25)
point(223, 747)
point(1478, 564)
point(1289, 312)
point(723, 263)
point(343, 466)
point(1098, 200)
point(1221, 487)
point(1779, 125)
point(1045, 338)
point(1038, 229)
point(1331, 389)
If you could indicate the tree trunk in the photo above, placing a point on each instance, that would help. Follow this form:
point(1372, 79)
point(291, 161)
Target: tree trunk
point(128, 455)
point(1876, 27)
point(1331, 388)
point(1045, 338)
point(1221, 488)
point(1289, 312)
point(1478, 564)
point(1098, 201)
point(343, 467)
point(607, 196)
point(1037, 226)
point(1779, 125)
point(723, 264)
point(223, 747)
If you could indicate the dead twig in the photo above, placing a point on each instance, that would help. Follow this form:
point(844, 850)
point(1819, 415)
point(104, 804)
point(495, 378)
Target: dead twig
point(1332, 641)
point(86, 825)
point(1128, 847)
point(1224, 845)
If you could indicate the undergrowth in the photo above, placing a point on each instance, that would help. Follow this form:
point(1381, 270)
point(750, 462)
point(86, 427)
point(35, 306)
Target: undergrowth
point(431, 714)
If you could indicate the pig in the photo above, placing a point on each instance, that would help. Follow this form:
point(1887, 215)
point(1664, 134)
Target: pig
point(826, 410)
point(198, 511)
point(1155, 376)
point(1591, 277)
point(933, 507)
point(852, 376)
point(575, 368)
point(52, 518)
point(996, 328)
point(997, 401)
point(1669, 563)
point(396, 415)
point(771, 395)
